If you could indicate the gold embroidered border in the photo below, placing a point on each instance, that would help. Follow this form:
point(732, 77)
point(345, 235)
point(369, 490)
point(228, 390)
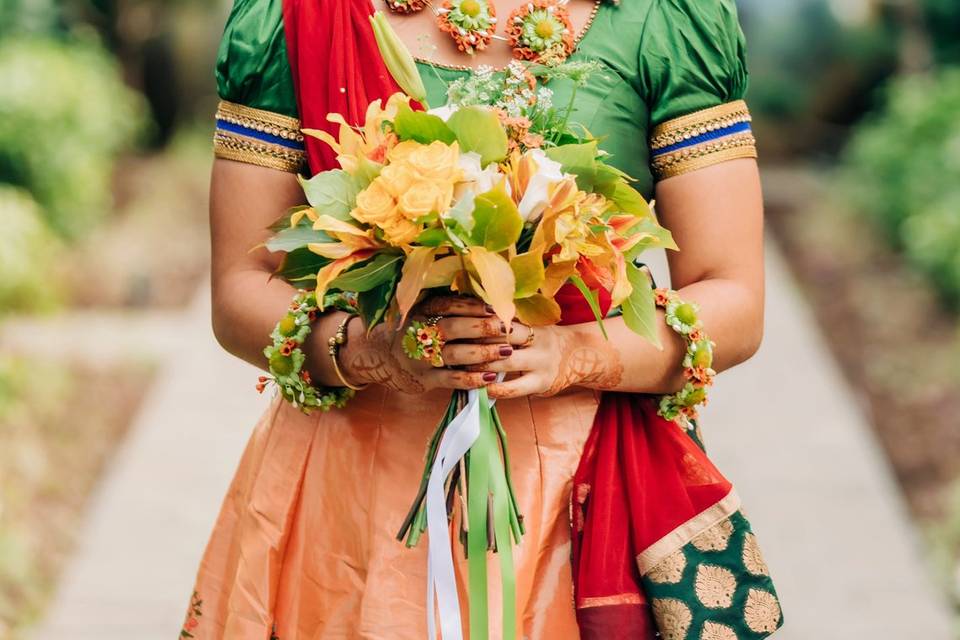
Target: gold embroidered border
point(240, 149)
point(704, 155)
point(699, 123)
point(606, 601)
point(260, 120)
point(686, 532)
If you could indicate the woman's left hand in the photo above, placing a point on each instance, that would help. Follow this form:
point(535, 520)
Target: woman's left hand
point(558, 357)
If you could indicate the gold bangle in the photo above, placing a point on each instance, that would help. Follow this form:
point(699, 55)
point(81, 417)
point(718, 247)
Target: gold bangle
point(336, 341)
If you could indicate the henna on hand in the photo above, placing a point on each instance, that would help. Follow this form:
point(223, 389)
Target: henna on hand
point(374, 359)
point(586, 359)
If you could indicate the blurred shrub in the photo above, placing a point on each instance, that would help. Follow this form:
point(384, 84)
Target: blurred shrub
point(903, 168)
point(27, 249)
point(28, 16)
point(942, 20)
point(812, 75)
point(64, 115)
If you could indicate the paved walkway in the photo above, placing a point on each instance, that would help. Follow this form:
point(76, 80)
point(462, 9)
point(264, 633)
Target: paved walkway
point(784, 427)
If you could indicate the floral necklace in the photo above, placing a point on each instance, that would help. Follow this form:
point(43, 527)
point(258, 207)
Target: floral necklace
point(539, 30)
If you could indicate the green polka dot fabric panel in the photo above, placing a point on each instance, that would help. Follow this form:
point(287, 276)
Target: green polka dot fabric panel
point(716, 587)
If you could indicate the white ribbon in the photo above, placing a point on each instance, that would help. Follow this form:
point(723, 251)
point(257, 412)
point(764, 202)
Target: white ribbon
point(459, 436)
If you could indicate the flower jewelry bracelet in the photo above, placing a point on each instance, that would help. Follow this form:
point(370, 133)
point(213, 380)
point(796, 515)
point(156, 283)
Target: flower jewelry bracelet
point(285, 360)
point(697, 360)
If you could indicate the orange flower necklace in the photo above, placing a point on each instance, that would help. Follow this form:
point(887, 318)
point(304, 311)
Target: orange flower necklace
point(538, 31)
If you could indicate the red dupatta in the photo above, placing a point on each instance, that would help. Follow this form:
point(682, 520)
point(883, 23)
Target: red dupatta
point(644, 488)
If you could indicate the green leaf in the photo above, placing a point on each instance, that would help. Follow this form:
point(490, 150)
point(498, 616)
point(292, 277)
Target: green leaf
point(462, 212)
point(658, 238)
point(478, 129)
point(331, 192)
point(578, 159)
point(627, 199)
point(591, 298)
point(300, 264)
point(421, 126)
point(372, 305)
point(290, 239)
point(283, 222)
point(529, 272)
point(497, 223)
point(369, 275)
point(432, 237)
point(639, 310)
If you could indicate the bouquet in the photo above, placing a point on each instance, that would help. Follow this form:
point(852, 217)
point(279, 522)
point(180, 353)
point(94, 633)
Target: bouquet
point(496, 195)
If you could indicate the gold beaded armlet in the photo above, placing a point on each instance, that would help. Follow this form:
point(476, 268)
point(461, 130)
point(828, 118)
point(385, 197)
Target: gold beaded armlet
point(701, 139)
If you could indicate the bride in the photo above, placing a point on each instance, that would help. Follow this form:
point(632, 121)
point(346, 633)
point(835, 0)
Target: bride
point(304, 544)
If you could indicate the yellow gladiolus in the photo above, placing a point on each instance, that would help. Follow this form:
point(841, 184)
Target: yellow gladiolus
point(397, 57)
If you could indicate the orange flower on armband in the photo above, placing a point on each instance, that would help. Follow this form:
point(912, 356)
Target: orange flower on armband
point(661, 297)
point(287, 347)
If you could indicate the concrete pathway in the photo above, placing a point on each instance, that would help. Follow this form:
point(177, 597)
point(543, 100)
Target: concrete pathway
point(784, 427)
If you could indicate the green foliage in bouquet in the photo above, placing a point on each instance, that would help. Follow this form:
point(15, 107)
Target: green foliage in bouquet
point(902, 169)
point(64, 116)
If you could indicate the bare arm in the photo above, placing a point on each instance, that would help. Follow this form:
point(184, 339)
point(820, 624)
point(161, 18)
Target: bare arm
point(716, 216)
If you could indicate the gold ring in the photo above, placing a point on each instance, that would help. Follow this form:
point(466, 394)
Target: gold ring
point(529, 340)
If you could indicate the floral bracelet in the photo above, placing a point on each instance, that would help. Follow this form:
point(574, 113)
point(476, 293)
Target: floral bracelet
point(285, 360)
point(697, 360)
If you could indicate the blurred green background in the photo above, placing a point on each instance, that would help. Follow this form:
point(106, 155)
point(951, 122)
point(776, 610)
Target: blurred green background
point(105, 120)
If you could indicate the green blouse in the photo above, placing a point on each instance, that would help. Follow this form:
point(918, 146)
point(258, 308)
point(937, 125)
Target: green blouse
point(668, 99)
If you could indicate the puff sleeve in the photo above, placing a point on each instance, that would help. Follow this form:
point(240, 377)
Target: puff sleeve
point(693, 76)
point(256, 119)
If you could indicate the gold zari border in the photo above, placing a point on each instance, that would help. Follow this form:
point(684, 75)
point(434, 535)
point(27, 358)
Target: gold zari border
point(266, 121)
point(250, 151)
point(686, 532)
point(741, 146)
point(606, 601)
point(699, 123)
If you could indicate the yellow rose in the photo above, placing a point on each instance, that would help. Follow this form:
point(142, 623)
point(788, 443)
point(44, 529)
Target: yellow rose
point(375, 204)
point(436, 161)
point(396, 178)
point(401, 231)
point(423, 198)
point(402, 151)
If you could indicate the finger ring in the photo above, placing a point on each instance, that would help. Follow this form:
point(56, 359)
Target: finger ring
point(424, 341)
point(529, 340)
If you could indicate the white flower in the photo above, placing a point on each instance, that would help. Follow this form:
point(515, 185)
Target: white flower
point(537, 196)
point(482, 179)
point(443, 112)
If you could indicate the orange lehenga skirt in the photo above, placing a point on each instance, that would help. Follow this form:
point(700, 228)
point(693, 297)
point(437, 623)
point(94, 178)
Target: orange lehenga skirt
point(304, 545)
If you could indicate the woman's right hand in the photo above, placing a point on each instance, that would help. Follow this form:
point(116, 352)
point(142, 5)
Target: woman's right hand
point(473, 335)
